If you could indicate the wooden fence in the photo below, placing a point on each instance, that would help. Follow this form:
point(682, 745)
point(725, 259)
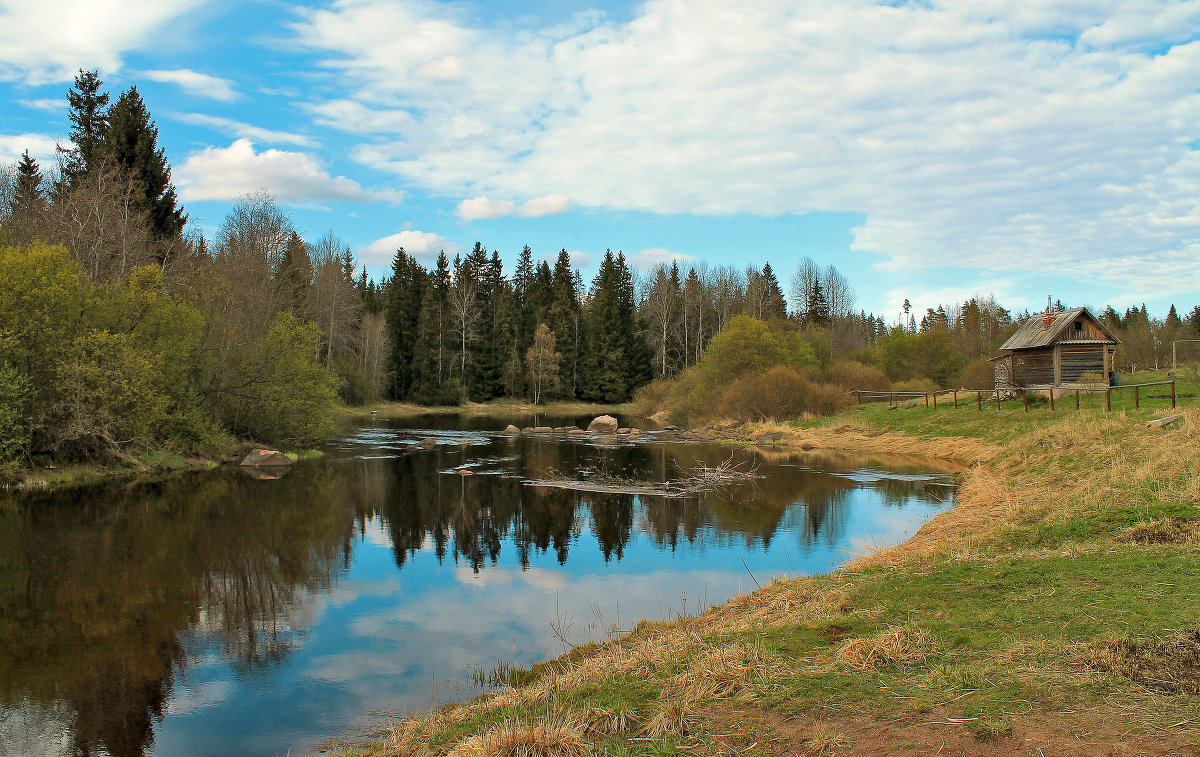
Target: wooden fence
point(1011, 393)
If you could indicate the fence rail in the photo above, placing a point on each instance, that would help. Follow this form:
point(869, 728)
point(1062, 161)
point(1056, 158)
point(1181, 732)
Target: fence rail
point(1011, 393)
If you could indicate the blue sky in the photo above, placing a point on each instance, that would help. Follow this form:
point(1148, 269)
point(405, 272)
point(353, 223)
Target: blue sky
point(932, 150)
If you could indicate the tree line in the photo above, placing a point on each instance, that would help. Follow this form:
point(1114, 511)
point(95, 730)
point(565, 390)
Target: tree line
point(123, 330)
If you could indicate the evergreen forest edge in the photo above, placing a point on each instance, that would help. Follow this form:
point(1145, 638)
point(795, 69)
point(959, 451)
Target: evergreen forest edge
point(122, 331)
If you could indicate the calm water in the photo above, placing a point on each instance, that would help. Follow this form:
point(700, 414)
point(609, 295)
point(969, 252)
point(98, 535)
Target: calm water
point(224, 614)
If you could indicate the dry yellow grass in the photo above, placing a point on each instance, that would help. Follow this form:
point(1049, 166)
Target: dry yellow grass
point(860, 437)
point(893, 646)
point(543, 738)
point(694, 661)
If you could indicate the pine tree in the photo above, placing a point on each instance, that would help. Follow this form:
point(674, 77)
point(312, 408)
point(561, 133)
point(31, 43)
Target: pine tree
point(405, 299)
point(87, 109)
point(818, 306)
point(774, 306)
point(131, 142)
point(29, 197)
point(293, 276)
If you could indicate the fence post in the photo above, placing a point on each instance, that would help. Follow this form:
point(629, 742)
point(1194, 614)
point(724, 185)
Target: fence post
point(891, 398)
point(1076, 399)
point(997, 400)
point(935, 400)
point(1172, 394)
point(1108, 399)
point(1025, 399)
point(926, 400)
point(1052, 399)
point(956, 398)
point(979, 400)
point(1137, 403)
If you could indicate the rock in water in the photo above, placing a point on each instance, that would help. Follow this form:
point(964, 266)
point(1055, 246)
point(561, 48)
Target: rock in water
point(604, 424)
point(267, 458)
point(511, 429)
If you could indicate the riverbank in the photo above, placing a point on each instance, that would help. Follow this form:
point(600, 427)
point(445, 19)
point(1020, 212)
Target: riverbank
point(500, 407)
point(1052, 609)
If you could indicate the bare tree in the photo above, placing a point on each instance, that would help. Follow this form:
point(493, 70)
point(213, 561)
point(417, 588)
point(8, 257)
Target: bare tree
point(838, 292)
point(800, 287)
point(466, 314)
point(661, 306)
point(333, 303)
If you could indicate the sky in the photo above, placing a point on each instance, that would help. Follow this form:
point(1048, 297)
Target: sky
point(932, 150)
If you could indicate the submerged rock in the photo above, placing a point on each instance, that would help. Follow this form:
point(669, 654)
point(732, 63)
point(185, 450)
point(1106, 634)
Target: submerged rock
point(266, 458)
point(543, 430)
point(428, 442)
point(604, 424)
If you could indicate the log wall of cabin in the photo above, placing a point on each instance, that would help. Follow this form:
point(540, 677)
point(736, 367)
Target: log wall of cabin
point(1078, 359)
point(1034, 367)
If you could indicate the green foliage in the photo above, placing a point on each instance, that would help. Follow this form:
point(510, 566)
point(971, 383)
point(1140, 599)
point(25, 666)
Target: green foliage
point(107, 397)
point(14, 418)
point(782, 393)
point(745, 350)
point(280, 392)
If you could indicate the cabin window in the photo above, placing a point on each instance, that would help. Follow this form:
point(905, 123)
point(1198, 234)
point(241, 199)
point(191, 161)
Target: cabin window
point(1079, 326)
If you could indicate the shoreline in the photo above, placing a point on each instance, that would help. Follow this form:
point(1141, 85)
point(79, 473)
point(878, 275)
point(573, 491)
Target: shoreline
point(1023, 591)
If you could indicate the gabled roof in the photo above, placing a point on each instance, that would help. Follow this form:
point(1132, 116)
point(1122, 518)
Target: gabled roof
point(1035, 332)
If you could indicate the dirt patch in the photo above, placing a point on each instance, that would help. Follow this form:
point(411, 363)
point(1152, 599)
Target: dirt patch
point(1096, 733)
point(1166, 666)
point(1163, 531)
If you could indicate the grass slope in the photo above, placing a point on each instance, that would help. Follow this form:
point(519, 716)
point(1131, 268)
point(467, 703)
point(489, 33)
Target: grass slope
point(1052, 611)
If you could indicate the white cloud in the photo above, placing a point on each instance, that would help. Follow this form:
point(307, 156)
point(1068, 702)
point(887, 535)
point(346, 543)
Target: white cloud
point(481, 208)
point(48, 104)
point(548, 205)
point(422, 245)
point(41, 148)
point(195, 83)
point(354, 117)
point(644, 260)
point(243, 130)
point(226, 173)
point(48, 42)
point(1008, 136)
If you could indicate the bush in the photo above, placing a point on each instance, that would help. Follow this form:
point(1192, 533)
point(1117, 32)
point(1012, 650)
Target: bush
point(653, 397)
point(979, 374)
point(851, 374)
point(915, 385)
point(780, 393)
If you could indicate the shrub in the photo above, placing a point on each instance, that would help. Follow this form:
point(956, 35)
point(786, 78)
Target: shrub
point(915, 385)
point(780, 393)
point(653, 397)
point(978, 374)
point(852, 374)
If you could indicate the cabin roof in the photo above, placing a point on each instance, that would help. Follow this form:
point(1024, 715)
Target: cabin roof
point(1035, 332)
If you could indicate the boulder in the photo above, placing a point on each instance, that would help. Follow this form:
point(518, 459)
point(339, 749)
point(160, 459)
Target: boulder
point(603, 424)
point(808, 446)
point(576, 432)
point(910, 404)
point(266, 458)
point(622, 431)
point(511, 429)
point(428, 442)
point(561, 429)
point(543, 430)
point(527, 430)
point(670, 427)
point(635, 432)
point(463, 472)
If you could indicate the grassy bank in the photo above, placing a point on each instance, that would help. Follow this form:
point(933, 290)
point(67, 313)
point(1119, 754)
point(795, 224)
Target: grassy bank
point(1053, 611)
point(500, 407)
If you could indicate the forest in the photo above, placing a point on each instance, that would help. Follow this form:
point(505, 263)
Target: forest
point(122, 329)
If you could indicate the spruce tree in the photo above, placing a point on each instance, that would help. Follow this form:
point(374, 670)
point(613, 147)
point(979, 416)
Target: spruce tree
point(294, 276)
point(563, 318)
point(131, 143)
point(87, 109)
point(774, 305)
point(405, 298)
point(29, 197)
point(818, 306)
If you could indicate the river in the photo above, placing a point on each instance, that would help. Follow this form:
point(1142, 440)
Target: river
point(219, 613)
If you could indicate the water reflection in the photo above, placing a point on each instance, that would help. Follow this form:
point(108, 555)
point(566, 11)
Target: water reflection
point(219, 612)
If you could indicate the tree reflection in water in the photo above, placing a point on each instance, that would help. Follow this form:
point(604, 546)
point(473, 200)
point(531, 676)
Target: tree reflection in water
point(106, 593)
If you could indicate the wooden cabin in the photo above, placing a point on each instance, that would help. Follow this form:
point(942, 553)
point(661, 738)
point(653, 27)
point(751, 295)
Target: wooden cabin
point(1053, 350)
